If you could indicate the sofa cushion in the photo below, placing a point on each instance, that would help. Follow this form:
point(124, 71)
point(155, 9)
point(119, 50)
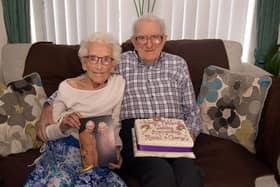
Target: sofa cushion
point(20, 108)
point(267, 143)
point(225, 163)
point(231, 104)
point(54, 63)
point(16, 167)
point(197, 53)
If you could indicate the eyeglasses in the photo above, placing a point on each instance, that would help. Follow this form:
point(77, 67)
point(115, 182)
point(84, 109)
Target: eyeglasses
point(93, 59)
point(155, 39)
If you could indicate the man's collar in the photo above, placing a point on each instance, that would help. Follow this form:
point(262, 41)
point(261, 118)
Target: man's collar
point(139, 60)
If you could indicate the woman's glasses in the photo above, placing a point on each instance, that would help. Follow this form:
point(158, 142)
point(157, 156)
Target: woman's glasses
point(93, 59)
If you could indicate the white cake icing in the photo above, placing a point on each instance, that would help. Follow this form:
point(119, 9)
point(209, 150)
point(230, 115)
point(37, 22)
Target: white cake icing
point(163, 132)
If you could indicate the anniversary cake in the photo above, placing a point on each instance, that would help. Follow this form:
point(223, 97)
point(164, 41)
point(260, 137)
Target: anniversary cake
point(162, 137)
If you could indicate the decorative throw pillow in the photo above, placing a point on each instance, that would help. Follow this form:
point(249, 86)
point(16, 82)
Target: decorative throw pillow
point(231, 104)
point(20, 107)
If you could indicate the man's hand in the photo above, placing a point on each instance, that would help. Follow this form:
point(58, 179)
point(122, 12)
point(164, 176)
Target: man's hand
point(45, 119)
point(193, 136)
point(119, 159)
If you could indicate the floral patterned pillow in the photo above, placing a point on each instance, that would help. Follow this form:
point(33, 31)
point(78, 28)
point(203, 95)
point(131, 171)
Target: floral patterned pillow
point(20, 107)
point(231, 104)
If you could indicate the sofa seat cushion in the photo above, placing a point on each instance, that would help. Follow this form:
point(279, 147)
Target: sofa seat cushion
point(14, 168)
point(222, 162)
point(225, 162)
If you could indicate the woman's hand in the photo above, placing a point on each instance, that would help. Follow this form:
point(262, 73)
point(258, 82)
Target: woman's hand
point(70, 121)
point(119, 159)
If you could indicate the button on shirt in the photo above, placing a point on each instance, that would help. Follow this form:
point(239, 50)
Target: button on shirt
point(160, 89)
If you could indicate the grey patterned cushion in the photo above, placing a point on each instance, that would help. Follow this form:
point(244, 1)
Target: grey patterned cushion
point(20, 107)
point(231, 104)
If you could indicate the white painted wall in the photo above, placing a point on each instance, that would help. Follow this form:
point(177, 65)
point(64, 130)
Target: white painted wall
point(3, 36)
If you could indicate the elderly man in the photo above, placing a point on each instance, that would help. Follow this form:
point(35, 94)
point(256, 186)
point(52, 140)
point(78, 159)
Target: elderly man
point(157, 84)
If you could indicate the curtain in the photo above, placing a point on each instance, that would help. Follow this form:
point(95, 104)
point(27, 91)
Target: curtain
point(17, 20)
point(268, 16)
point(69, 21)
point(3, 35)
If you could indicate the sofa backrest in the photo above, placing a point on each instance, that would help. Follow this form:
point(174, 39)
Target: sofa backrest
point(53, 62)
point(197, 53)
point(57, 62)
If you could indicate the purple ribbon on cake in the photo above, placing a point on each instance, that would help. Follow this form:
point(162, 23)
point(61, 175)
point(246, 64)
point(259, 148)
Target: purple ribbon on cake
point(163, 149)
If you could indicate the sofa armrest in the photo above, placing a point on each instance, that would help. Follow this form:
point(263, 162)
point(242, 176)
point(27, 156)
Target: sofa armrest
point(234, 53)
point(265, 181)
point(253, 70)
point(13, 61)
point(267, 143)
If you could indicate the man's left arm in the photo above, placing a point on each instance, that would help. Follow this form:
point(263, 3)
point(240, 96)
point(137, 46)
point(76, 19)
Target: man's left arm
point(190, 108)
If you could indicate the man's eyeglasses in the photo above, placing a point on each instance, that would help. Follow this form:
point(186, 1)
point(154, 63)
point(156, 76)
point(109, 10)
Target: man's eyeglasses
point(93, 59)
point(155, 39)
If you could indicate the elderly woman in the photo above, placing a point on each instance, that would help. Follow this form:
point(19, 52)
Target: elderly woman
point(96, 93)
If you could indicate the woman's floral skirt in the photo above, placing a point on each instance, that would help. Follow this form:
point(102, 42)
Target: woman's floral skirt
point(60, 164)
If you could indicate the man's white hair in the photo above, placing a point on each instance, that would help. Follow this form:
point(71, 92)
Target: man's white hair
point(151, 18)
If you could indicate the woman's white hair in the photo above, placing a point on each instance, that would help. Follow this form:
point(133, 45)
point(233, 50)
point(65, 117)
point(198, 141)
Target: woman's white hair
point(151, 18)
point(100, 37)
